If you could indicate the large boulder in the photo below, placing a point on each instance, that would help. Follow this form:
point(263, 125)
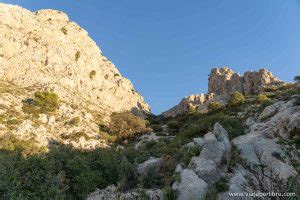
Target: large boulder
point(191, 186)
point(214, 158)
point(217, 147)
point(151, 164)
point(205, 169)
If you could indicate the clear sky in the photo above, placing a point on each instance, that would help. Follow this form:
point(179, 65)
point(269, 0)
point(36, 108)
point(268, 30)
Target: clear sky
point(168, 47)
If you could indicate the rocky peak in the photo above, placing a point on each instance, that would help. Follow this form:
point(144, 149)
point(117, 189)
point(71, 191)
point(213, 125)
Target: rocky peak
point(224, 81)
point(45, 50)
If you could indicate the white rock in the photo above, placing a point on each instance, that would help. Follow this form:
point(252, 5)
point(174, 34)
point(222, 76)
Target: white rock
point(191, 186)
point(43, 118)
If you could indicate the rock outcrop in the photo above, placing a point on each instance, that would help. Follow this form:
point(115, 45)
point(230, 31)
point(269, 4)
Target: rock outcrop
point(46, 50)
point(222, 82)
point(225, 81)
point(207, 168)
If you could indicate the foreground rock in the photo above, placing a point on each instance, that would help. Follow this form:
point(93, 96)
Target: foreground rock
point(111, 193)
point(191, 186)
point(207, 168)
point(260, 148)
point(46, 50)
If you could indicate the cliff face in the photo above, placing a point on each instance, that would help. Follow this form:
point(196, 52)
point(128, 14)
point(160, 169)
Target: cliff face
point(45, 50)
point(224, 81)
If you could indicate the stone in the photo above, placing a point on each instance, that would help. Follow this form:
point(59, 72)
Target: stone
point(155, 194)
point(199, 141)
point(217, 147)
point(56, 54)
point(150, 164)
point(191, 186)
point(108, 193)
point(43, 118)
point(205, 169)
point(178, 168)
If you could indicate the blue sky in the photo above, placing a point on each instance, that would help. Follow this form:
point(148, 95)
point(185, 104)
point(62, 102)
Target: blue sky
point(168, 47)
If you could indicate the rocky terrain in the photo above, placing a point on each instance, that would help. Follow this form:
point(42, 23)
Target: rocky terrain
point(223, 81)
point(71, 127)
point(45, 50)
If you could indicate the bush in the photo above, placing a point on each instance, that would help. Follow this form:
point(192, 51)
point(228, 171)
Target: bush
point(174, 125)
point(214, 106)
point(46, 101)
point(189, 153)
point(64, 30)
point(236, 99)
point(62, 173)
point(156, 128)
point(75, 121)
point(92, 74)
point(126, 125)
point(222, 185)
point(77, 56)
point(263, 99)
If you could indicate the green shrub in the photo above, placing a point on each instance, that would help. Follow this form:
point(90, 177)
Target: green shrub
point(76, 136)
point(128, 175)
point(160, 176)
point(189, 153)
point(64, 30)
point(233, 126)
point(62, 173)
point(174, 125)
point(92, 74)
point(297, 79)
point(156, 128)
point(263, 99)
point(127, 125)
point(11, 143)
point(222, 185)
point(236, 99)
point(75, 121)
point(77, 56)
point(214, 106)
point(46, 101)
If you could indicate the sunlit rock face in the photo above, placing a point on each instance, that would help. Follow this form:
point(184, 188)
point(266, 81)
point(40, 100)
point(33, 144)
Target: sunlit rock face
point(221, 83)
point(46, 50)
point(225, 80)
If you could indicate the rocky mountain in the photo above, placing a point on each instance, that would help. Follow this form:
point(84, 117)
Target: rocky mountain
point(225, 81)
point(67, 128)
point(221, 83)
point(45, 50)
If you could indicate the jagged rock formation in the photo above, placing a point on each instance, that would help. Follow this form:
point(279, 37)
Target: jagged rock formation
point(46, 50)
point(222, 82)
point(207, 168)
point(261, 146)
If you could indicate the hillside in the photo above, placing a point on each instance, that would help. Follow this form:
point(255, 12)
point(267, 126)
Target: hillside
point(45, 50)
point(71, 127)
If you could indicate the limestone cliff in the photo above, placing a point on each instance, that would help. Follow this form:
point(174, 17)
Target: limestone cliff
point(222, 82)
point(46, 50)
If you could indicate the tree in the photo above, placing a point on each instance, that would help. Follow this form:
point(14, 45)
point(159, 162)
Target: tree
point(236, 99)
